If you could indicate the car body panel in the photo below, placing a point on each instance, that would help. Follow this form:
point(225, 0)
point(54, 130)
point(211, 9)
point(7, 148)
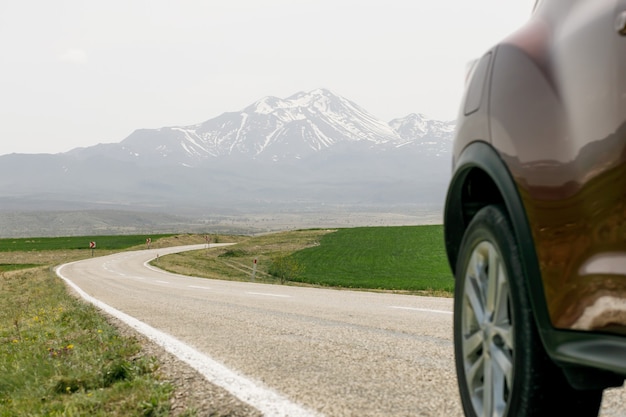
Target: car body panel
point(563, 138)
point(548, 141)
point(568, 155)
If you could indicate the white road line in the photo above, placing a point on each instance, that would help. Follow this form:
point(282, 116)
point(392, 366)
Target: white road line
point(108, 268)
point(199, 287)
point(267, 401)
point(162, 282)
point(268, 294)
point(152, 268)
point(426, 310)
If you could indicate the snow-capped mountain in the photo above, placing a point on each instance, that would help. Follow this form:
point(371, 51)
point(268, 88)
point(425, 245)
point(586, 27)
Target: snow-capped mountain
point(417, 127)
point(432, 136)
point(277, 129)
point(313, 146)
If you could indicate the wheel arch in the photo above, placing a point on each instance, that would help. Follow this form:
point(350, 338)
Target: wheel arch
point(481, 178)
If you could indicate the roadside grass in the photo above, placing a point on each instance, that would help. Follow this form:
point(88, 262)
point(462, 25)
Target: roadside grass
point(236, 262)
point(58, 355)
point(405, 259)
point(15, 267)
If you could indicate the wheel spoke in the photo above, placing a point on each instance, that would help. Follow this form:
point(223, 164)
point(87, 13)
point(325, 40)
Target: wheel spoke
point(502, 346)
point(505, 332)
point(504, 362)
point(474, 373)
point(474, 304)
point(473, 287)
point(472, 344)
point(501, 305)
point(493, 279)
point(496, 382)
point(488, 391)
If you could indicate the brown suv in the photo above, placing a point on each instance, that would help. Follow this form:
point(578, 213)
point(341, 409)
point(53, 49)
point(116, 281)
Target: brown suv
point(535, 217)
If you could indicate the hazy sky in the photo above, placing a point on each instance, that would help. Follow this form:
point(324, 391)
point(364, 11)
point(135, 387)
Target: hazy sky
point(81, 72)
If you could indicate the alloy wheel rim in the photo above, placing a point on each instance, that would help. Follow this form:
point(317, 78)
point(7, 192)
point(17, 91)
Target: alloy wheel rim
point(487, 331)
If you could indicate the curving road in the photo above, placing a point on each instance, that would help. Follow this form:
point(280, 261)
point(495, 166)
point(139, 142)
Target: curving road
point(290, 351)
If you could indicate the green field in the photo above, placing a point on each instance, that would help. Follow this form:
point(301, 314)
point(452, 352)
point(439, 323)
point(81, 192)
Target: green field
point(393, 258)
point(74, 242)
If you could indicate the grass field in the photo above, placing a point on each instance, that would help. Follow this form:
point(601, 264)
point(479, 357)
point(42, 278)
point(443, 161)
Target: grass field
point(407, 258)
point(74, 242)
point(410, 258)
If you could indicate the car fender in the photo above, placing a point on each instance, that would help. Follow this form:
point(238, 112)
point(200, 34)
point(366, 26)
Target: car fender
point(481, 178)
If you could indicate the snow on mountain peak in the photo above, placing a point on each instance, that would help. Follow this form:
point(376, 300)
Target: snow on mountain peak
point(275, 128)
point(318, 98)
point(417, 125)
point(266, 105)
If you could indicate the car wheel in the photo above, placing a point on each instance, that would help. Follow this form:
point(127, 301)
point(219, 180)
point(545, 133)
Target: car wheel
point(502, 368)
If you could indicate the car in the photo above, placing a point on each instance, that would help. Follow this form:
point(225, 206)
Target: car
point(535, 216)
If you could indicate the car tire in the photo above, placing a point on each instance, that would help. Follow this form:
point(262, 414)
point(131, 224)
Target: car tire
point(502, 367)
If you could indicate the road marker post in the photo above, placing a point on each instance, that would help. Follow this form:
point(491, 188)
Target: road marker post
point(253, 270)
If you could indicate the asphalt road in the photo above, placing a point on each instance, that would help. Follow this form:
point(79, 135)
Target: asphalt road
point(292, 351)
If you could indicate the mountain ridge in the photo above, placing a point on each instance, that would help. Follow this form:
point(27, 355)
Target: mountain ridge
point(303, 123)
